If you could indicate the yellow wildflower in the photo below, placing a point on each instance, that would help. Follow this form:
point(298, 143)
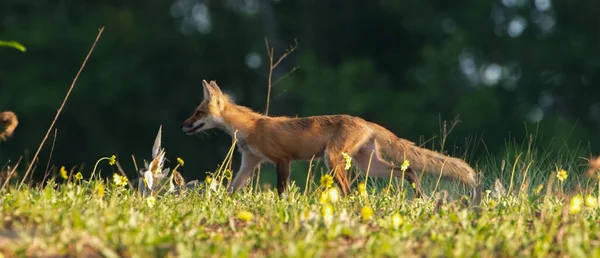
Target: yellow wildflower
point(180, 161)
point(366, 213)
point(405, 165)
point(396, 220)
point(333, 194)
point(327, 213)
point(327, 210)
point(362, 189)
point(492, 203)
point(562, 175)
point(211, 183)
point(100, 190)
point(326, 181)
point(324, 197)
point(119, 180)
point(63, 172)
point(348, 160)
point(78, 176)
point(576, 204)
point(227, 173)
point(590, 201)
point(304, 215)
point(539, 189)
point(245, 216)
point(112, 160)
point(150, 201)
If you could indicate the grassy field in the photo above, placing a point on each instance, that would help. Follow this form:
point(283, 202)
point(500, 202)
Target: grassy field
point(533, 205)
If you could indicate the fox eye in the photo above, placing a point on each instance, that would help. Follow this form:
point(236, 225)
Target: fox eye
point(199, 113)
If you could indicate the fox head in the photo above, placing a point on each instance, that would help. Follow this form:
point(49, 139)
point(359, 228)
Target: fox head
point(208, 114)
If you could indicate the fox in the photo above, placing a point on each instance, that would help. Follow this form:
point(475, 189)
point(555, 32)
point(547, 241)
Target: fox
point(280, 140)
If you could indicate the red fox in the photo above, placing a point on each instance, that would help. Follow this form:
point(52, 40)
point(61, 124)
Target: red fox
point(281, 140)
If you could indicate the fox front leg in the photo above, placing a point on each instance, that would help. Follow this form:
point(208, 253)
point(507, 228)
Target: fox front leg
point(249, 163)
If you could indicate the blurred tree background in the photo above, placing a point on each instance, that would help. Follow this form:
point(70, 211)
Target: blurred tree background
point(507, 67)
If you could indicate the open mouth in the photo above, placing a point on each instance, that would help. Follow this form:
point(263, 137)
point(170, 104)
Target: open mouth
point(195, 129)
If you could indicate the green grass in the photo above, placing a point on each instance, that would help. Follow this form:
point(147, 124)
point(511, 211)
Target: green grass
point(75, 218)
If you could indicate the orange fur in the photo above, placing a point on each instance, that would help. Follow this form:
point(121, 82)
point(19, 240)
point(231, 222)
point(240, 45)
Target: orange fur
point(281, 140)
point(9, 121)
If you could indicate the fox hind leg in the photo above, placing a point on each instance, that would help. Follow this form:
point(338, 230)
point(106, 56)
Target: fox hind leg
point(336, 164)
point(411, 176)
point(283, 175)
point(349, 141)
point(368, 158)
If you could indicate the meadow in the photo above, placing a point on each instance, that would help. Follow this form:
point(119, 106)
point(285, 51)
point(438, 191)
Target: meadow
point(534, 204)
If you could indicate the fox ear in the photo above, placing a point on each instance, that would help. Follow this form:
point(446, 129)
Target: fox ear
point(209, 92)
point(214, 85)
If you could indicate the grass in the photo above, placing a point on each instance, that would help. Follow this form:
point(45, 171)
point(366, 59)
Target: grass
point(539, 216)
point(525, 211)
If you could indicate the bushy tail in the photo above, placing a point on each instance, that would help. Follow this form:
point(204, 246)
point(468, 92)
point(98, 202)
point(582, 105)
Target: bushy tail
point(435, 163)
point(422, 159)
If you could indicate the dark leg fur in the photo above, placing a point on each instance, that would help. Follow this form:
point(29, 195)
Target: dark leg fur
point(283, 175)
